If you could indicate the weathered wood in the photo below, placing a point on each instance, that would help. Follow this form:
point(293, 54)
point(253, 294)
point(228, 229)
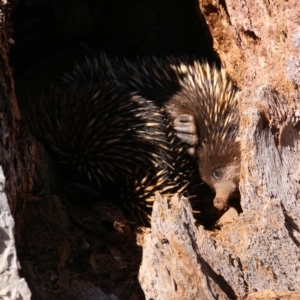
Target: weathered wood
point(11, 285)
point(183, 261)
point(259, 44)
point(271, 295)
point(262, 55)
point(16, 151)
point(173, 265)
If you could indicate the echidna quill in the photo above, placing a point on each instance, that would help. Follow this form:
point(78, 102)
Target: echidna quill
point(107, 132)
point(184, 85)
point(210, 98)
point(178, 175)
point(89, 132)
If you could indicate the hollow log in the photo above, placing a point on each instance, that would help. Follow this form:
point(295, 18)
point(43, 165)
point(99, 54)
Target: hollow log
point(255, 255)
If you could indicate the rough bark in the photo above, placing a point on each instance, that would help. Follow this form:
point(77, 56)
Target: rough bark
point(183, 261)
point(11, 285)
point(16, 151)
point(259, 44)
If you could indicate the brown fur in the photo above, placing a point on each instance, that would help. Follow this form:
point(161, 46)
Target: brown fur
point(184, 85)
point(209, 96)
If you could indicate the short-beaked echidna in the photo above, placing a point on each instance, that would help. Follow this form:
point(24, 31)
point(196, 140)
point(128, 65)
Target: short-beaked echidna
point(183, 85)
point(211, 99)
point(179, 175)
point(103, 131)
point(107, 132)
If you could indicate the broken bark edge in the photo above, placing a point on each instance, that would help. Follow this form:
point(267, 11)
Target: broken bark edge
point(171, 266)
point(183, 261)
point(11, 285)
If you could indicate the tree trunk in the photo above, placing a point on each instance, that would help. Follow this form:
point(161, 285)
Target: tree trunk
point(259, 44)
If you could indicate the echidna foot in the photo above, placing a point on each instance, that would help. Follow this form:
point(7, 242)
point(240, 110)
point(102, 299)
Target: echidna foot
point(185, 127)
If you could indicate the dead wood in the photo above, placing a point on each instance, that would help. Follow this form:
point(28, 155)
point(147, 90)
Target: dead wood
point(259, 44)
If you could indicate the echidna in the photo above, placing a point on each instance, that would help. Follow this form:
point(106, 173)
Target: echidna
point(107, 132)
point(103, 124)
point(178, 176)
point(183, 85)
point(103, 131)
point(211, 99)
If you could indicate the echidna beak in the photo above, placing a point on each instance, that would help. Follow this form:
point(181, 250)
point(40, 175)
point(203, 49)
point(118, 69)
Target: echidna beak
point(224, 191)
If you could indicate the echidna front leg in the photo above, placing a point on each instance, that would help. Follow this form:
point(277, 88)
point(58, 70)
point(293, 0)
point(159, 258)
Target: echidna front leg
point(186, 131)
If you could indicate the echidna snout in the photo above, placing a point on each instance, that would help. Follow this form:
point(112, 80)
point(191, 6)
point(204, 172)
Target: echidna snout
point(221, 171)
point(224, 191)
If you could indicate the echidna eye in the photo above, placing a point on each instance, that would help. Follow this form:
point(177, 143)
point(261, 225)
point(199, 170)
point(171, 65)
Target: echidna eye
point(217, 173)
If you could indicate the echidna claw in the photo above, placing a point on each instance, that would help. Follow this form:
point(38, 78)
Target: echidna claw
point(189, 139)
